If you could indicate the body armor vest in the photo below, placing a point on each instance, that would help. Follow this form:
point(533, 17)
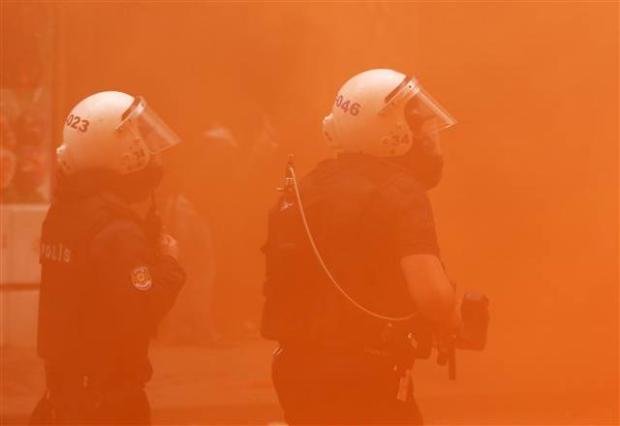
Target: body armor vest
point(353, 234)
point(72, 326)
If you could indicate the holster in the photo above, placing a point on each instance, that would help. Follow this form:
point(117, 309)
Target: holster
point(397, 343)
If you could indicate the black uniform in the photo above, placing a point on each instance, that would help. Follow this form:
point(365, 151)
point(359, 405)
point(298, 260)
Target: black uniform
point(337, 364)
point(104, 288)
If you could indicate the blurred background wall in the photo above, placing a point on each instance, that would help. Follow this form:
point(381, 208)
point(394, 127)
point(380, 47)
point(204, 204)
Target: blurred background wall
point(527, 211)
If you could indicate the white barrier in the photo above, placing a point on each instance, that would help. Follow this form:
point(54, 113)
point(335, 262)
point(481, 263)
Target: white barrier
point(20, 229)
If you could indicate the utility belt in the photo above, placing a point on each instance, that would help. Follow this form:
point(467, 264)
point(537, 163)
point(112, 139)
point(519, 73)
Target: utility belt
point(64, 378)
point(310, 347)
point(72, 397)
point(395, 361)
point(397, 353)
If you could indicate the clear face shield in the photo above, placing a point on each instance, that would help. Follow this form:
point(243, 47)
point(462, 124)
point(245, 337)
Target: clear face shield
point(425, 118)
point(153, 131)
point(424, 115)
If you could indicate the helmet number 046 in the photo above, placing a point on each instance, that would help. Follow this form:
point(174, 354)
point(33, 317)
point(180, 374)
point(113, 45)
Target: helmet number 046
point(346, 105)
point(76, 122)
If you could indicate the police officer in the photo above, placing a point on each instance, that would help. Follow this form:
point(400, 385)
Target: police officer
point(352, 260)
point(108, 272)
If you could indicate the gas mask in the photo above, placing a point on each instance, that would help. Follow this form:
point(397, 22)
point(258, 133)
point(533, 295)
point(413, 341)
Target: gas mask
point(138, 186)
point(424, 158)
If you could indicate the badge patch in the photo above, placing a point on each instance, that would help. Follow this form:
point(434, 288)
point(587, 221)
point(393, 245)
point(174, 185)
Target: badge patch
point(141, 278)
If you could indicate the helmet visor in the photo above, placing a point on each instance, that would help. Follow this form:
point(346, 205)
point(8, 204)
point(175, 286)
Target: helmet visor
point(153, 131)
point(421, 110)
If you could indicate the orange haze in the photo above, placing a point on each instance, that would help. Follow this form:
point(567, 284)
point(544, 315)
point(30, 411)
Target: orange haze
point(528, 208)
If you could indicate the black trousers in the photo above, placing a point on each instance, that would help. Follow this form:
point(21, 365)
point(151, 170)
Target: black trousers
point(72, 399)
point(340, 387)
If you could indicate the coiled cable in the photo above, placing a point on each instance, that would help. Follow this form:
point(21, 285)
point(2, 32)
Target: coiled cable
point(293, 180)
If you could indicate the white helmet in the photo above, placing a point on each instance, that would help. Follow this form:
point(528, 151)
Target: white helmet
point(368, 115)
point(112, 131)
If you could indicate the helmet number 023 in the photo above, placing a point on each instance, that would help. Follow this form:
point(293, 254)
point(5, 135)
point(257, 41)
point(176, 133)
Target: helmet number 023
point(76, 122)
point(346, 106)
